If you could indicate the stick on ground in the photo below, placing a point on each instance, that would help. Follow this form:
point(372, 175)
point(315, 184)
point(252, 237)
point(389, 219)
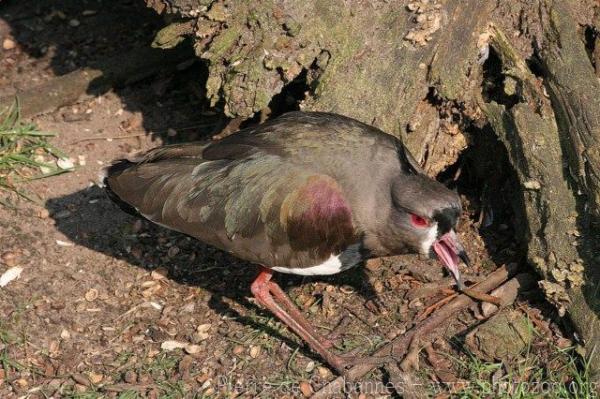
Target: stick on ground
point(399, 346)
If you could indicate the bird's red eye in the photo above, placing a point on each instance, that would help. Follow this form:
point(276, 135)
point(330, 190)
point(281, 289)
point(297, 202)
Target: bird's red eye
point(418, 221)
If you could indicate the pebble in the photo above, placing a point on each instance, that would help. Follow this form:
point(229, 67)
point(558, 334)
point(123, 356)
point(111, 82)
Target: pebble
point(74, 23)
point(8, 44)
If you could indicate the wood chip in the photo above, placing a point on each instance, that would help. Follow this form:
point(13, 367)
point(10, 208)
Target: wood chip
point(480, 296)
point(95, 378)
point(172, 345)
point(324, 372)
point(9, 258)
point(11, 274)
point(310, 367)
point(8, 44)
point(159, 273)
point(65, 164)
point(238, 350)
point(254, 351)
point(507, 293)
point(306, 389)
point(81, 379)
point(192, 349)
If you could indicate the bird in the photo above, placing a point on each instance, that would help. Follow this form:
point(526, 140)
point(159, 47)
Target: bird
point(306, 193)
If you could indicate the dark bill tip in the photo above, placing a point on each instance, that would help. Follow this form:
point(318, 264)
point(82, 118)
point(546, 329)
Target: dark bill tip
point(464, 257)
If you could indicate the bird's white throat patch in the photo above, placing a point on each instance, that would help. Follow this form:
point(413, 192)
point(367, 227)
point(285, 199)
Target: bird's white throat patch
point(332, 265)
point(429, 239)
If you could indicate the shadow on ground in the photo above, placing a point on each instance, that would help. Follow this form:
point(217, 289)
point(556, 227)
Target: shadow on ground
point(70, 35)
point(98, 224)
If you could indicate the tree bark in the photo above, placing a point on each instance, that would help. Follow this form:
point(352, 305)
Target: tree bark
point(418, 69)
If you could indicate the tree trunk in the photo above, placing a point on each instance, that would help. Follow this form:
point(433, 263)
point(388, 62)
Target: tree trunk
point(435, 73)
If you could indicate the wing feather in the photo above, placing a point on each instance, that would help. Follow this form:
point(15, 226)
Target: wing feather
point(260, 207)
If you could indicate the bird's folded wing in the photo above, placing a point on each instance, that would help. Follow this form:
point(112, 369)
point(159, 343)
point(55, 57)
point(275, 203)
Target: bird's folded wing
point(257, 206)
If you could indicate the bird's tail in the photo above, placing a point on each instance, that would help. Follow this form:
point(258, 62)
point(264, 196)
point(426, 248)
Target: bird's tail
point(115, 169)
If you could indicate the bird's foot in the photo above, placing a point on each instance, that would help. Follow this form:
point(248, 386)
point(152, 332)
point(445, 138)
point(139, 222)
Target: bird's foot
point(341, 363)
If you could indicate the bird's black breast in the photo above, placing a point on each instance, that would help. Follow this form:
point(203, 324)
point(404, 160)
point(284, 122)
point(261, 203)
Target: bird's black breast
point(353, 255)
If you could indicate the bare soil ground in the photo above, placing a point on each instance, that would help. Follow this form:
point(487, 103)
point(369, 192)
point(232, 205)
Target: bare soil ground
point(103, 295)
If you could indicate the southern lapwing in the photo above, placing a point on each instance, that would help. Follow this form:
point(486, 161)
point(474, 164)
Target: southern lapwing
point(306, 193)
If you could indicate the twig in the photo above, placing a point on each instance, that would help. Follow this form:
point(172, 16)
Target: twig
point(411, 360)
point(407, 385)
point(430, 309)
point(126, 387)
point(480, 296)
point(398, 346)
point(109, 138)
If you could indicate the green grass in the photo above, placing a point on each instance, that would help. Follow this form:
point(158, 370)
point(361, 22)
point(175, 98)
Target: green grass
point(164, 363)
point(24, 151)
point(561, 375)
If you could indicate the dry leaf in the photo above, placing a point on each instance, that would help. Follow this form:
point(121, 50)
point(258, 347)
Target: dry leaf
point(203, 327)
point(192, 349)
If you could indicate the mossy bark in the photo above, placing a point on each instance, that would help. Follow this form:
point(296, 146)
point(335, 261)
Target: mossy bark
point(414, 68)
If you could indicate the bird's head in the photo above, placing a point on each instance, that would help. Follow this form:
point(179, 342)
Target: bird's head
point(424, 217)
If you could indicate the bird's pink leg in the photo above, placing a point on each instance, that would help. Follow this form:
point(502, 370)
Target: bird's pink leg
point(292, 309)
point(264, 291)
